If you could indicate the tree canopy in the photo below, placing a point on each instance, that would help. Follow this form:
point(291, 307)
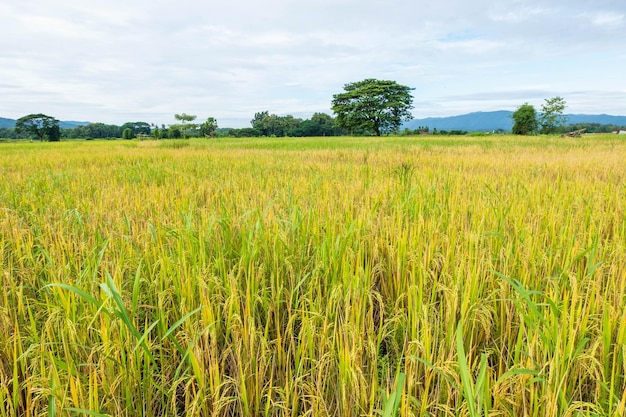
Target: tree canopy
point(209, 127)
point(138, 128)
point(525, 120)
point(40, 125)
point(373, 106)
point(128, 133)
point(266, 124)
point(185, 123)
point(552, 117)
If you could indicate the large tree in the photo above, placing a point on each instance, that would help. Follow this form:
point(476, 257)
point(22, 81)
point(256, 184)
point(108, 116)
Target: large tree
point(552, 117)
point(373, 106)
point(265, 123)
point(42, 126)
point(185, 122)
point(525, 120)
point(209, 127)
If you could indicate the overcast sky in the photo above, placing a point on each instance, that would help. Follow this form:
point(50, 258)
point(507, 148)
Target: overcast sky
point(145, 60)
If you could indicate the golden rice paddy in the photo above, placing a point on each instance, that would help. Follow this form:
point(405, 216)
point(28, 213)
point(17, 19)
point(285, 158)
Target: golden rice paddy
point(441, 276)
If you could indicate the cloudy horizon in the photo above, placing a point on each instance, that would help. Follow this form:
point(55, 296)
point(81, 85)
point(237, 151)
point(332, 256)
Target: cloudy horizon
point(148, 60)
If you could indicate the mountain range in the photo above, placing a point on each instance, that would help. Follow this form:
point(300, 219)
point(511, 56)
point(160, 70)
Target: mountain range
point(495, 120)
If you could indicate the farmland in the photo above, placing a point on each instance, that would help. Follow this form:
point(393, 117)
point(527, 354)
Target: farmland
point(443, 276)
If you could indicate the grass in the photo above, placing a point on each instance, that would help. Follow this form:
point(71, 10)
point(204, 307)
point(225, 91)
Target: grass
point(443, 276)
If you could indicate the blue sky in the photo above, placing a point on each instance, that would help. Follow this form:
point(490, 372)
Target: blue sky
point(142, 60)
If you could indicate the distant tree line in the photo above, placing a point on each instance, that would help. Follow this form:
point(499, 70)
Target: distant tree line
point(368, 107)
point(89, 131)
point(420, 130)
point(272, 125)
point(263, 124)
point(591, 128)
point(305, 128)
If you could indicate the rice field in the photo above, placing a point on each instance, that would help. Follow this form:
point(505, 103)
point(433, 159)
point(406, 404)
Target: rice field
point(449, 276)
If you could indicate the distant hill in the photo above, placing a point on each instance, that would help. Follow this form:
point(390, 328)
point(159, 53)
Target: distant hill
point(494, 120)
point(4, 123)
point(70, 124)
point(603, 119)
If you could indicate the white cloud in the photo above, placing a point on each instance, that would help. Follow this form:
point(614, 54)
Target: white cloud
point(608, 19)
point(146, 60)
point(505, 12)
point(470, 46)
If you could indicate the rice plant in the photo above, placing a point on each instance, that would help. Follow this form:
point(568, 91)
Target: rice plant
point(404, 276)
